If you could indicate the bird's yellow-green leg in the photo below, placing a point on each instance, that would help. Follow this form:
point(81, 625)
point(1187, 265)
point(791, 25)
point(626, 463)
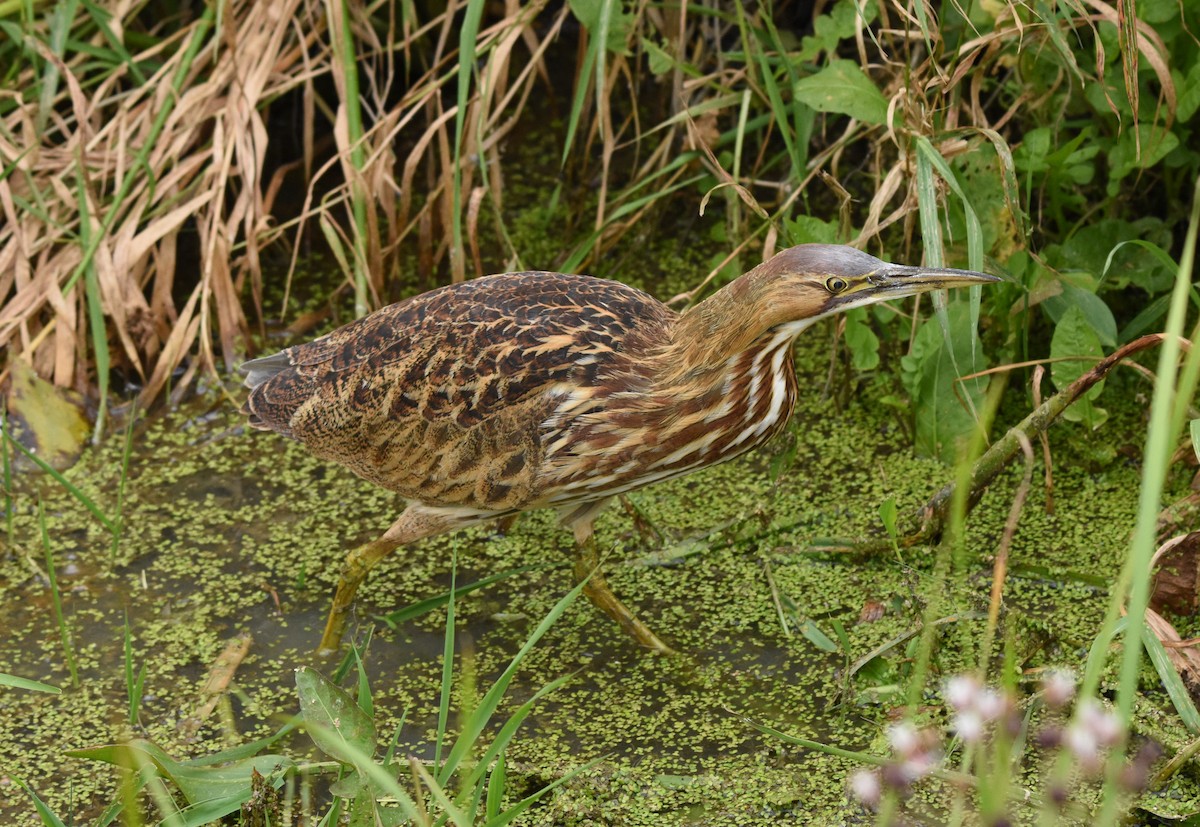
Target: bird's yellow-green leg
point(587, 567)
point(415, 523)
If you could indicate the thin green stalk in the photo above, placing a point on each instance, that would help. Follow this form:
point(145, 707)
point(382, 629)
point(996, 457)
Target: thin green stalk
point(60, 22)
point(467, 38)
point(346, 55)
point(126, 452)
point(473, 727)
point(133, 685)
point(447, 664)
point(83, 499)
point(56, 597)
point(9, 501)
point(951, 551)
point(90, 237)
point(95, 306)
point(1160, 442)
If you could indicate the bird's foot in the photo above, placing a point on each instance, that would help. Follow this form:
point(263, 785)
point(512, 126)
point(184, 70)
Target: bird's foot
point(601, 595)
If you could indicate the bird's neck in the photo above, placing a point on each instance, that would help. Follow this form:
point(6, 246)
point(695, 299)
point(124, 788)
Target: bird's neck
point(709, 338)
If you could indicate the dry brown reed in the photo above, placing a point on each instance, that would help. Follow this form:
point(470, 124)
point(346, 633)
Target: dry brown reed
point(98, 179)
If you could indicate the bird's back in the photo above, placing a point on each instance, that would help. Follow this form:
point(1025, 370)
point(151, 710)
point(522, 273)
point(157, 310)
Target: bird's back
point(445, 397)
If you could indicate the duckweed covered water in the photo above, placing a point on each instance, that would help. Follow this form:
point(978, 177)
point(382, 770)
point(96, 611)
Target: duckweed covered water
point(230, 531)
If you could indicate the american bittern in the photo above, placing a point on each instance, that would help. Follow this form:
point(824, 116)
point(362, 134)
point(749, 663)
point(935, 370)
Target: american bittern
point(529, 390)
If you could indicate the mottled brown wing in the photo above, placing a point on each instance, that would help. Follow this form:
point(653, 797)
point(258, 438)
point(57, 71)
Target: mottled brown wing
point(443, 397)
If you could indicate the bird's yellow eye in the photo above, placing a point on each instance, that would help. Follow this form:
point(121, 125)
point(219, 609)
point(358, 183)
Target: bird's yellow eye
point(836, 284)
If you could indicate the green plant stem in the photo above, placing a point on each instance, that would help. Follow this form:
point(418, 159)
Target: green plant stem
point(1136, 574)
point(466, 65)
point(56, 598)
point(447, 663)
point(354, 127)
point(119, 522)
point(9, 501)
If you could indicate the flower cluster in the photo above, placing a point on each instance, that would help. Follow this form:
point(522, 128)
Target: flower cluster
point(917, 753)
point(980, 714)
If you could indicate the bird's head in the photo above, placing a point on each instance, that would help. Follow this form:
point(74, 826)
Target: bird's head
point(810, 281)
point(794, 289)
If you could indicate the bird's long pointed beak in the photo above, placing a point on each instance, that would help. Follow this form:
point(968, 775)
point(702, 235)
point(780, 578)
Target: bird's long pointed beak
point(902, 279)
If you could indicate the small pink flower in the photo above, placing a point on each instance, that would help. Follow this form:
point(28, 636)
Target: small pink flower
point(904, 738)
point(1104, 725)
point(1082, 743)
point(866, 787)
point(969, 725)
point(960, 692)
point(989, 704)
point(1059, 688)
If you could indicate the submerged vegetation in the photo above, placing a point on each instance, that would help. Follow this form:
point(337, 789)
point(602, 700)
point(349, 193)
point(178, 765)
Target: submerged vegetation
point(166, 171)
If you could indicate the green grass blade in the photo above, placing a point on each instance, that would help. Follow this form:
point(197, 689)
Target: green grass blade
point(1135, 577)
point(10, 502)
point(509, 730)
point(56, 598)
point(47, 816)
point(497, 783)
point(1171, 681)
point(447, 663)
point(467, 56)
point(60, 20)
point(347, 57)
point(126, 453)
point(103, 19)
point(83, 499)
point(140, 164)
point(25, 683)
point(133, 683)
point(577, 100)
point(95, 307)
point(524, 804)
point(491, 700)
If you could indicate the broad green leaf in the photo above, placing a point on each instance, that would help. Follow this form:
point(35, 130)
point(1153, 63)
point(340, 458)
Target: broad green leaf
point(1189, 97)
point(1074, 336)
point(1194, 428)
point(45, 418)
point(337, 725)
point(942, 403)
point(830, 29)
point(861, 341)
point(620, 22)
point(816, 637)
point(1155, 141)
point(1158, 11)
point(226, 786)
point(808, 229)
point(1031, 154)
point(888, 514)
point(842, 87)
point(1095, 312)
point(912, 366)
point(660, 61)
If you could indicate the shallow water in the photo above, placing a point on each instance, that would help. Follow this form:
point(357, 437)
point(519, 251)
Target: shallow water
point(230, 531)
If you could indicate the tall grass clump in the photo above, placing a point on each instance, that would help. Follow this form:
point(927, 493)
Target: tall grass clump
point(869, 113)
